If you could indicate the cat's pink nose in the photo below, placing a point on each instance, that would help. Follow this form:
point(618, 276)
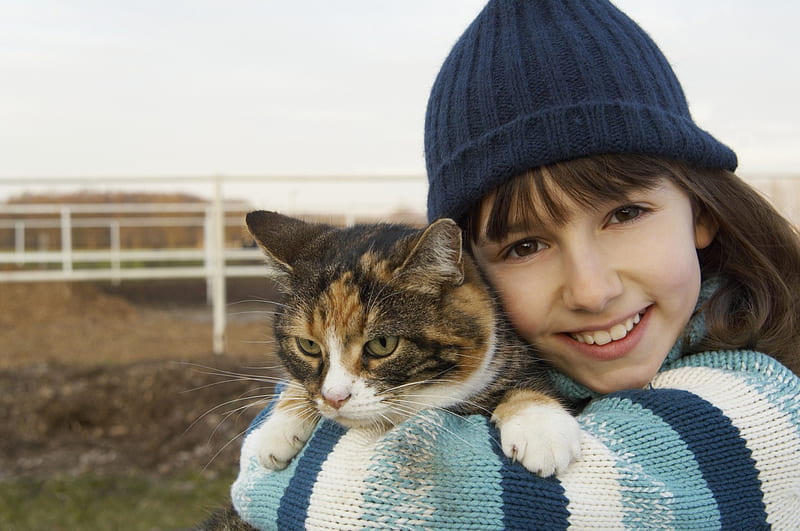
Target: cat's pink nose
point(336, 401)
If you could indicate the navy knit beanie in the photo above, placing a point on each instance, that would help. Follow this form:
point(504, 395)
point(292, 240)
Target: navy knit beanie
point(534, 82)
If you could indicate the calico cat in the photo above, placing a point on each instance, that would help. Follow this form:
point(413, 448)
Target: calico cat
point(379, 322)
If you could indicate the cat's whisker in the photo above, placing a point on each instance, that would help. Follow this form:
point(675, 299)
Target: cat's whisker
point(384, 421)
point(292, 384)
point(466, 402)
point(218, 452)
point(239, 377)
point(258, 341)
point(259, 301)
point(402, 386)
point(424, 404)
point(263, 367)
point(302, 410)
point(215, 371)
point(430, 383)
point(454, 434)
point(228, 414)
point(297, 403)
point(308, 414)
point(254, 400)
point(374, 302)
point(252, 312)
point(373, 298)
point(271, 381)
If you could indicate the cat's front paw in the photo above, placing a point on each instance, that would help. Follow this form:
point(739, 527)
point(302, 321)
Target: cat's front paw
point(544, 438)
point(281, 438)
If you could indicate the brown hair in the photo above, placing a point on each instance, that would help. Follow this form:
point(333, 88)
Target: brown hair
point(755, 253)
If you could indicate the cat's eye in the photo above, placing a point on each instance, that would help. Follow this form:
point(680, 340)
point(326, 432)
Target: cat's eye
point(308, 347)
point(381, 347)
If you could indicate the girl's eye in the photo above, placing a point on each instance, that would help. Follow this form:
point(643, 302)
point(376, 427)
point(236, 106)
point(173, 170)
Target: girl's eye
point(524, 248)
point(380, 347)
point(626, 213)
point(308, 347)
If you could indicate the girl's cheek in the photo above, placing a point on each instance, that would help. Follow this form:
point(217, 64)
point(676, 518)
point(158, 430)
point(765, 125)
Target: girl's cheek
point(523, 303)
point(676, 263)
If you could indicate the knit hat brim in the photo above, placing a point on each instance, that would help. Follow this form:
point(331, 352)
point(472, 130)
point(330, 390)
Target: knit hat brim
point(562, 134)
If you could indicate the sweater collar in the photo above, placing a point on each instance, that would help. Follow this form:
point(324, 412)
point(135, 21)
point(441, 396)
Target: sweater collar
point(694, 332)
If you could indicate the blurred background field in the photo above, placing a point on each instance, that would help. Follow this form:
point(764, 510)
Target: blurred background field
point(109, 411)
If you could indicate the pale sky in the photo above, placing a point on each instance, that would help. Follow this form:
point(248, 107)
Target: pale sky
point(332, 87)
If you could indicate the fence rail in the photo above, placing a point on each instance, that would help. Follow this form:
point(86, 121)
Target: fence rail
point(215, 258)
point(82, 264)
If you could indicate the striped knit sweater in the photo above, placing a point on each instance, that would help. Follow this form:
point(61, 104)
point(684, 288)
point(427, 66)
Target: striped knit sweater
point(714, 443)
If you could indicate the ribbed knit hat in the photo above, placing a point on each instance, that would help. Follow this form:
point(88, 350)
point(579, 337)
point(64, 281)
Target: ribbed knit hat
point(534, 82)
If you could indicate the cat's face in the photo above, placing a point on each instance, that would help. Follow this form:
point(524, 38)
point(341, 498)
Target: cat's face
point(377, 322)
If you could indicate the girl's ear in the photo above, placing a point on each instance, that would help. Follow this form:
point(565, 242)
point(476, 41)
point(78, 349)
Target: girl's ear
point(705, 229)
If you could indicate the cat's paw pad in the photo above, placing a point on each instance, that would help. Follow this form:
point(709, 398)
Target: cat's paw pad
point(545, 439)
point(281, 438)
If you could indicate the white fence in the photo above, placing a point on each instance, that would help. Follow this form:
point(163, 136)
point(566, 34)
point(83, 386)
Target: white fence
point(215, 261)
point(70, 260)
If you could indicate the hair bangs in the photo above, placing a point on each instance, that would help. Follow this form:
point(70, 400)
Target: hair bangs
point(549, 194)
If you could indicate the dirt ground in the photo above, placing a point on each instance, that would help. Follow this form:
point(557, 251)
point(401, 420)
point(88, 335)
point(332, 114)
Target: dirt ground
point(98, 378)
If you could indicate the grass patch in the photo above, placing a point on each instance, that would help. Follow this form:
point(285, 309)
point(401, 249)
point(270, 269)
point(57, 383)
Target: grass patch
point(130, 502)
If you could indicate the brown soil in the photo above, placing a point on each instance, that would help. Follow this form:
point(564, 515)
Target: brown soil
point(109, 379)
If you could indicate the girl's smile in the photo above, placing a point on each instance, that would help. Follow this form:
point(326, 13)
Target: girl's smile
point(601, 336)
point(605, 344)
point(605, 293)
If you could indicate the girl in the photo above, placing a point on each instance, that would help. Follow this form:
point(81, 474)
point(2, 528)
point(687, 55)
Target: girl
point(660, 288)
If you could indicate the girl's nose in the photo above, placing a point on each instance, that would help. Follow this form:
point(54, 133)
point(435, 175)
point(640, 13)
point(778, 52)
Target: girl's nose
point(591, 281)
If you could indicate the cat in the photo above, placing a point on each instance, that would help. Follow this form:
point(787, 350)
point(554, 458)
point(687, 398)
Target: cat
point(381, 321)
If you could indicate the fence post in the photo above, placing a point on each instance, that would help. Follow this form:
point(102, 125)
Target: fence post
point(19, 241)
point(66, 240)
point(208, 251)
point(219, 297)
point(114, 240)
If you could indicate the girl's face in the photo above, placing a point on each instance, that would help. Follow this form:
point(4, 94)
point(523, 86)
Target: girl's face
point(606, 292)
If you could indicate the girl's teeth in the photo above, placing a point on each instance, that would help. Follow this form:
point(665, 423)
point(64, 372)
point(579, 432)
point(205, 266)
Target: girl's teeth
point(603, 337)
point(618, 332)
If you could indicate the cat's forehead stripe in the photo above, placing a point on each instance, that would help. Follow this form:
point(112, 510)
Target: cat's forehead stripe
point(343, 304)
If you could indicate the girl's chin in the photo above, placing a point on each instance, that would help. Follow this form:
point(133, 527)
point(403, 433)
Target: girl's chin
point(621, 383)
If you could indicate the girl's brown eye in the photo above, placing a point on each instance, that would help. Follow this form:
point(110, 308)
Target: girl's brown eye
point(626, 213)
point(524, 248)
point(380, 347)
point(309, 347)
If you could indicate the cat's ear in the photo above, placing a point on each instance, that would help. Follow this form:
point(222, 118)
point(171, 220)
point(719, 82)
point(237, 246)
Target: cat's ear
point(436, 258)
point(281, 238)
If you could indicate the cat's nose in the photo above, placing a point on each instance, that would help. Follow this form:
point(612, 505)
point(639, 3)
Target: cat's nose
point(336, 401)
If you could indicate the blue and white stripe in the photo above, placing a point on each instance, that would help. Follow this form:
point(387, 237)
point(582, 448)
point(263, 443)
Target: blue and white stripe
point(714, 445)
